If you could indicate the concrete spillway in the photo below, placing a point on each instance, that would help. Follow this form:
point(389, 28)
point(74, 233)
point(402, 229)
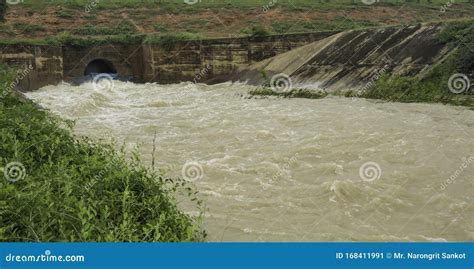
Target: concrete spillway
point(348, 60)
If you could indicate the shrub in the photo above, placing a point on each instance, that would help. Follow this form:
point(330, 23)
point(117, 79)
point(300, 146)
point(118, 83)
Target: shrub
point(256, 31)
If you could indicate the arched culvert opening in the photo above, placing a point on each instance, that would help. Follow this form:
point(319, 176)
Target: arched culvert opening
point(100, 66)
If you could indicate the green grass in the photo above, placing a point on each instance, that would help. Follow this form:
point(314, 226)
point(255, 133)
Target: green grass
point(293, 93)
point(177, 5)
point(65, 14)
point(77, 190)
point(160, 28)
point(256, 30)
point(300, 26)
point(122, 28)
point(29, 28)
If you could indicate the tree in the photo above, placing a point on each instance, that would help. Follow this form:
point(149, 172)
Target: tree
point(3, 9)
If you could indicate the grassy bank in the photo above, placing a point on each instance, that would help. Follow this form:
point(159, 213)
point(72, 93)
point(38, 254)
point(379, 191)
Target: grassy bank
point(215, 18)
point(57, 187)
point(293, 93)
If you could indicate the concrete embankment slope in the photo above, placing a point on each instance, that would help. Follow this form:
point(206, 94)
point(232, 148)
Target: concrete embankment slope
point(350, 60)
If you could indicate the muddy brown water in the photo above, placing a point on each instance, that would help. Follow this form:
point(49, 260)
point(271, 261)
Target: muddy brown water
point(334, 169)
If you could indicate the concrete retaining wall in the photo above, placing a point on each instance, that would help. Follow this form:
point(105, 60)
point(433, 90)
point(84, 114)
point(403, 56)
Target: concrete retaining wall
point(38, 66)
point(350, 60)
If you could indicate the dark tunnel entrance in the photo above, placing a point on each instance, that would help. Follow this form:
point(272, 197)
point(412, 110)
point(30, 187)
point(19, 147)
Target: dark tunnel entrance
point(99, 66)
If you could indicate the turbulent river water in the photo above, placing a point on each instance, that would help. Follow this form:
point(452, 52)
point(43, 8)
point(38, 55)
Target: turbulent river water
point(333, 169)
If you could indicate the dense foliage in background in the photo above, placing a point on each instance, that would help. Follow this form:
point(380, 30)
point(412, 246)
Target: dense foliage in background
point(79, 190)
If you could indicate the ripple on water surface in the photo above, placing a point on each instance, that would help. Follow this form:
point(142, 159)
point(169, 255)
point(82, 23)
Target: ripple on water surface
point(334, 169)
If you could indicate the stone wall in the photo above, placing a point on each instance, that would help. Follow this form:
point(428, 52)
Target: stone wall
point(196, 61)
point(37, 66)
point(351, 60)
point(127, 59)
point(206, 59)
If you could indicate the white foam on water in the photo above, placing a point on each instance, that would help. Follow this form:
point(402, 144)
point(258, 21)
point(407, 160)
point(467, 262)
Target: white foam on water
point(290, 169)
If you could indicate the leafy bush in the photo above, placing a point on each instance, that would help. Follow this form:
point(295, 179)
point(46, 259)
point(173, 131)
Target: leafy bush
point(256, 31)
point(77, 190)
